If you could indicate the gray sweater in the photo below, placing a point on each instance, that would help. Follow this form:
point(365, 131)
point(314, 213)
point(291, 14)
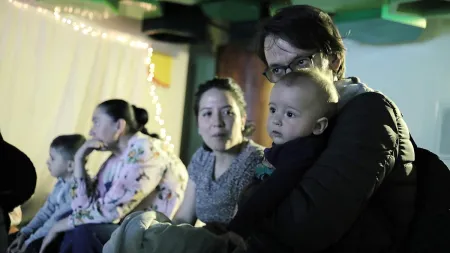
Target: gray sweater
point(216, 199)
point(58, 204)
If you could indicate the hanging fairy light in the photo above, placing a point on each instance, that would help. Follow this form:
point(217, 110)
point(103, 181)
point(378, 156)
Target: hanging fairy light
point(79, 26)
point(152, 92)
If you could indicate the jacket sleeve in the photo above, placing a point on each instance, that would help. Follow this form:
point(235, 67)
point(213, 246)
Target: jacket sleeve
point(327, 201)
point(40, 218)
point(270, 193)
point(48, 216)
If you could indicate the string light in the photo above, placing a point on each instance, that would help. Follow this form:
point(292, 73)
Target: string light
point(85, 29)
point(152, 92)
point(79, 26)
point(83, 12)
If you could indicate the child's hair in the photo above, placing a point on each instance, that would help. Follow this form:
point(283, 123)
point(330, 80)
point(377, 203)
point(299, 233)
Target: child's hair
point(326, 90)
point(68, 144)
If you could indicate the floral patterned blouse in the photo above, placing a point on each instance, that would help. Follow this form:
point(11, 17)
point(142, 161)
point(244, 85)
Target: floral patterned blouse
point(145, 174)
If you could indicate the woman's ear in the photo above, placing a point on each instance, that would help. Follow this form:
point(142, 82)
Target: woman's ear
point(70, 166)
point(320, 126)
point(121, 126)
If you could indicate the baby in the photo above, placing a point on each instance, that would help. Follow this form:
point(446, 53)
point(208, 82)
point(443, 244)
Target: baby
point(58, 204)
point(301, 106)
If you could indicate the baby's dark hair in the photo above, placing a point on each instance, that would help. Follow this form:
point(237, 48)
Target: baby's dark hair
point(68, 145)
point(327, 94)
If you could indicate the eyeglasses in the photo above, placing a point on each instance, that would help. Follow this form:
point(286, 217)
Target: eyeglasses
point(275, 73)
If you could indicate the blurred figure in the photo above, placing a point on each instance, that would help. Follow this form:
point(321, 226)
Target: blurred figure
point(17, 184)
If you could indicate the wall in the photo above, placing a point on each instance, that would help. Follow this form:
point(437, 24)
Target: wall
point(202, 67)
point(416, 76)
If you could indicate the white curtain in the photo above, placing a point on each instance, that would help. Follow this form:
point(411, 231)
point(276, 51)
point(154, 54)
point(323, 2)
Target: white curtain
point(52, 78)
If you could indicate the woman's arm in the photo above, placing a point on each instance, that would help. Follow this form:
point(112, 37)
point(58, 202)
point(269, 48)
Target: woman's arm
point(138, 177)
point(82, 190)
point(328, 200)
point(186, 212)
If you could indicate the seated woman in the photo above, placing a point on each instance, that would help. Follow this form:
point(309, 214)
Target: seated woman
point(225, 165)
point(139, 166)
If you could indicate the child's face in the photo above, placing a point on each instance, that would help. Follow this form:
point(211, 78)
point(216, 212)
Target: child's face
point(293, 113)
point(58, 166)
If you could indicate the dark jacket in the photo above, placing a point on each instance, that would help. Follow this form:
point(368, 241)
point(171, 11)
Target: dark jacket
point(275, 179)
point(17, 178)
point(359, 196)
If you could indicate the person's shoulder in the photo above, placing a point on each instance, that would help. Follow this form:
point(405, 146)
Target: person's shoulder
point(374, 102)
point(355, 95)
point(254, 154)
point(254, 147)
point(200, 156)
point(14, 153)
point(145, 144)
point(198, 163)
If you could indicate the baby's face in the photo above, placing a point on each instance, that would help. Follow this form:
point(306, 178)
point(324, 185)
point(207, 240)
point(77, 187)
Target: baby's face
point(293, 112)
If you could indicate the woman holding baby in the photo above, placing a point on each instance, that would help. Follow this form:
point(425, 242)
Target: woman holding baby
point(358, 192)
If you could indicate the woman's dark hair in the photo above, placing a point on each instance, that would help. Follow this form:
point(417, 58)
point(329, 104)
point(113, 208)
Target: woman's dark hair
point(135, 117)
point(68, 145)
point(225, 84)
point(305, 27)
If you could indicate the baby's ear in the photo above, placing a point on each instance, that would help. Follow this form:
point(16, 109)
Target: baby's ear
point(320, 126)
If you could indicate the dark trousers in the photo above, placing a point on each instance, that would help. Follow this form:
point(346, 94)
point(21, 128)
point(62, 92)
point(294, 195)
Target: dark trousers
point(88, 238)
point(53, 247)
point(35, 245)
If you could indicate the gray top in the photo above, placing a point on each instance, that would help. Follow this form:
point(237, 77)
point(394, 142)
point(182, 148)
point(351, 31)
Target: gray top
point(216, 200)
point(57, 206)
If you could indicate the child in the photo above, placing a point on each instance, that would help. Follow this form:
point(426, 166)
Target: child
point(301, 106)
point(58, 204)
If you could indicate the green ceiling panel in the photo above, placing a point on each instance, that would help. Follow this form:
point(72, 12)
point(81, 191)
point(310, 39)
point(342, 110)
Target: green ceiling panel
point(374, 22)
point(232, 10)
point(380, 26)
point(340, 5)
point(427, 9)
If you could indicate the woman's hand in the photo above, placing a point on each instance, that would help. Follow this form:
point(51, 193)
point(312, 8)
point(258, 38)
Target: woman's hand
point(48, 239)
point(88, 147)
point(18, 243)
point(60, 226)
point(80, 156)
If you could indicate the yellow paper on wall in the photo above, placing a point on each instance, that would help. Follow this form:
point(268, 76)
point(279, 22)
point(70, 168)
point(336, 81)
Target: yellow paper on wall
point(163, 69)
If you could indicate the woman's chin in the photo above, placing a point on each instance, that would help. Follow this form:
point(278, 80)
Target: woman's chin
point(220, 146)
